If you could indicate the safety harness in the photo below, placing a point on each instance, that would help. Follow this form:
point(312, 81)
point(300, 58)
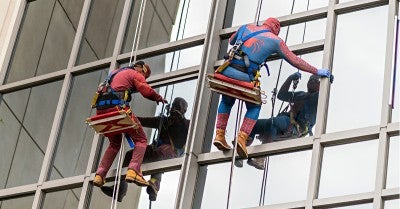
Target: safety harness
point(236, 57)
point(106, 97)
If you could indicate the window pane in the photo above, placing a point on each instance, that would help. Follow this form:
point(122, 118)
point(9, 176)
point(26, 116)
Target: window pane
point(393, 172)
point(245, 10)
point(279, 178)
point(174, 60)
point(27, 121)
point(20, 203)
point(348, 169)
point(167, 21)
point(358, 79)
point(137, 197)
point(101, 30)
point(45, 38)
point(75, 138)
point(392, 204)
point(67, 199)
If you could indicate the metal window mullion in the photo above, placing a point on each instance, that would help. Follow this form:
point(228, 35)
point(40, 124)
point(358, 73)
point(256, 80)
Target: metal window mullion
point(389, 62)
point(187, 182)
point(121, 33)
point(381, 168)
point(87, 188)
point(11, 37)
point(79, 33)
point(323, 100)
point(315, 173)
point(51, 145)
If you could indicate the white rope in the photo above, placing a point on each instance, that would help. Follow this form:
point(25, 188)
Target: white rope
point(117, 180)
point(138, 31)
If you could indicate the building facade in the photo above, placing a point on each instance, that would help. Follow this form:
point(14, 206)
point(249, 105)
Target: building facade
point(54, 53)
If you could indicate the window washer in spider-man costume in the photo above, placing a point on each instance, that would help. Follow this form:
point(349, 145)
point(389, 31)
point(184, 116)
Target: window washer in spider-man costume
point(244, 66)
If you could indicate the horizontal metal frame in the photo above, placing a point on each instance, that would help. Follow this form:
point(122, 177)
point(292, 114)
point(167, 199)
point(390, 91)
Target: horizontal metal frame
point(391, 193)
point(63, 184)
point(13, 192)
point(164, 48)
point(289, 205)
point(263, 149)
point(32, 82)
point(344, 200)
point(352, 6)
point(350, 136)
point(286, 20)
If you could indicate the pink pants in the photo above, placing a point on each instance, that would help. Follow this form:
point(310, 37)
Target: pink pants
point(139, 138)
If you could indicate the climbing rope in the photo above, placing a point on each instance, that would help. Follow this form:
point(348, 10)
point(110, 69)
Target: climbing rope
point(138, 31)
point(395, 61)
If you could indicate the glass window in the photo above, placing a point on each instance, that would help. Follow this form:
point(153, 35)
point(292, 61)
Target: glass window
point(363, 206)
point(247, 182)
point(66, 199)
point(165, 22)
point(75, 138)
point(393, 172)
point(245, 11)
point(268, 83)
point(356, 94)
point(137, 197)
point(27, 118)
point(45, 38)
point(348, 169)
point(101, 30)
point(20, 203)
point(392, 204)
point(174, 60)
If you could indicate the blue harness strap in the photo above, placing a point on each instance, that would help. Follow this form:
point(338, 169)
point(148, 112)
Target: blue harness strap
point(250, 65)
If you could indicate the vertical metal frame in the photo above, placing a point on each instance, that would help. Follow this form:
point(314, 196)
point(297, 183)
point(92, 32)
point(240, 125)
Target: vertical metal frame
point(11, 37)
point(198, 125)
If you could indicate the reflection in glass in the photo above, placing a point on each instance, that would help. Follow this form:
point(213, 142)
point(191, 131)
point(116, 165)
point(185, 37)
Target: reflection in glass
point(363, 206)
point(348, 169)
point(393, 172)
point(75, 138)
point(392, 204)
point(20, 203)
point(26, 121)
point(174, 60)
point(101, 30)
point(45, 38)
point(66, 199)
point(245, 10)
point(356, 95)
point(165, 22)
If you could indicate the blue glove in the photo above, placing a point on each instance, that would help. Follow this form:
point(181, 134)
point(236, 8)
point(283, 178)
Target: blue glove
point(295, 76)
point(324, 73)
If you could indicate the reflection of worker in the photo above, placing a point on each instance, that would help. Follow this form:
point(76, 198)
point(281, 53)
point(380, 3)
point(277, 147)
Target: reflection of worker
point(170, 144)
point(132, 79)
point(245, 62)
point(298, 122)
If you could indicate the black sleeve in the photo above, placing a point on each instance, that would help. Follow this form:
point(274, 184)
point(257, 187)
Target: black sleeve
point(150, 122)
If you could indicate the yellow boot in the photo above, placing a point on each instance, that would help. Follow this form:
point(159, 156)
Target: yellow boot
point(220, 141)
point(98, 181)
point(241, 146)
point(133, 177)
